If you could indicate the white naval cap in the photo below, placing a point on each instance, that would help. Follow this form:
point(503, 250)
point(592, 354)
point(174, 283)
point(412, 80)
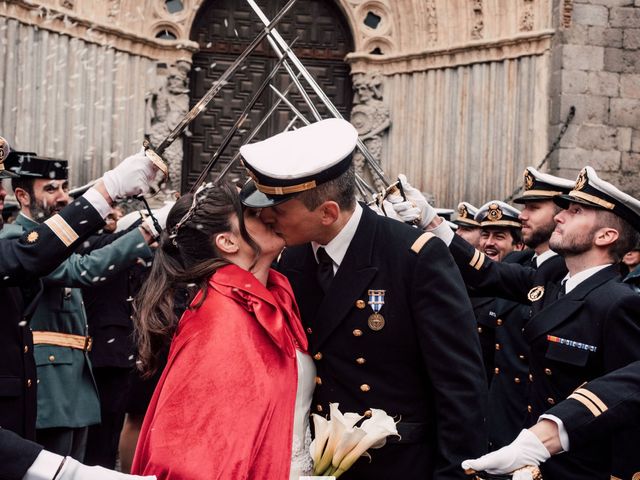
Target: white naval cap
point(497, 213)
point(592, 191)
point(295, 161)
point(466, 215)
point(542, 186)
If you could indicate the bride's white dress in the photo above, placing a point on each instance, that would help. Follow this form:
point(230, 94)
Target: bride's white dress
point(301, 463)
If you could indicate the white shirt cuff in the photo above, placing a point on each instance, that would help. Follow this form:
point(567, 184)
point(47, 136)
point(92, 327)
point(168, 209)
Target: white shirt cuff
point(45, 466)
point(562, 432)
point(95, 198)
point(443, 232)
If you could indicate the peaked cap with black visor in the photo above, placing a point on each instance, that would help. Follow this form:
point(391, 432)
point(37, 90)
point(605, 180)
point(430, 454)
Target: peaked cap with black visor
point(30, 165)
point(293, 162)
point(592, 191)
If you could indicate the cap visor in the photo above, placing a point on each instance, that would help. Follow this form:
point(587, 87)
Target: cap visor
point(250, 196)
point(532, 198)
point(564, 201)
point(7, 174)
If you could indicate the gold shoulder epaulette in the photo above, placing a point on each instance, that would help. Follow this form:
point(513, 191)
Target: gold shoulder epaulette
point(421, 241)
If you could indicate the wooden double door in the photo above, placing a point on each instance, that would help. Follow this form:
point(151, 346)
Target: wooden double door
point(223, 29)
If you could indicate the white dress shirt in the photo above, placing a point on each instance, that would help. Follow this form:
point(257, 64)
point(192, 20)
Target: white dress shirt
point(337, 247)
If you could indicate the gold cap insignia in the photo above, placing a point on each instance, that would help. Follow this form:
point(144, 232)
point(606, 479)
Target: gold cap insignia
point(4, 151)
point(535, 293)
point(463, 212)
point(528, 180)
point(582, 180)
point(494, 214)
point(32, 237)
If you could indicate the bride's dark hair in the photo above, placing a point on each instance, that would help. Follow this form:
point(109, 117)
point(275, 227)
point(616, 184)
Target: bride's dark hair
point(185, 260)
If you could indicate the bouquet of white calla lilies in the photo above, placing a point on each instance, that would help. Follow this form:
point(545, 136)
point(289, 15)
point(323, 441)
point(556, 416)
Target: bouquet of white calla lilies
point(339, 442)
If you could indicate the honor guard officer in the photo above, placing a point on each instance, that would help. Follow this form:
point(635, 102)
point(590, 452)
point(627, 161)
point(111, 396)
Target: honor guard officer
point(583, 328)
point(468, 228)
point(606, 406)
point(499, 236)
point(22, 261)
point(67, 396)
point(508, 390)
point(389, 322)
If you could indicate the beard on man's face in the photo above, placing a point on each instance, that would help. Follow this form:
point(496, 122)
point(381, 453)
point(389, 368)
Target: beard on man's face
point(540, 235)
point(572, 244)
point(41, 211)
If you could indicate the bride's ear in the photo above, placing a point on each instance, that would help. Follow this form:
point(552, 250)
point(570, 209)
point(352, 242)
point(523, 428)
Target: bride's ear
point(227, 242)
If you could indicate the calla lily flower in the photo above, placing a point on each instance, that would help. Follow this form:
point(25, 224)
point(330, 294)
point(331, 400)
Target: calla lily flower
point(377, 429)
point(338, 424)
point(321, 429)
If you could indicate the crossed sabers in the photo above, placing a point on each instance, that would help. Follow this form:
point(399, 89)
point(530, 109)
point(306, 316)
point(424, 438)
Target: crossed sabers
point(286, 57)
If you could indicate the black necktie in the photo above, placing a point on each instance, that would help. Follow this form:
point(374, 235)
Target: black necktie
point(325, 269)
point(563, 289)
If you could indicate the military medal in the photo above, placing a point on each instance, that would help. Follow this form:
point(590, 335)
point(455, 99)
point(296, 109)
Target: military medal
point(376, 300)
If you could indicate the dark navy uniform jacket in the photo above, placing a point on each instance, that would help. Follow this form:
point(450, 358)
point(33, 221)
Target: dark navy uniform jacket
point(22, 262)
point(585, 334)
point(609, 405)
point(423, 367)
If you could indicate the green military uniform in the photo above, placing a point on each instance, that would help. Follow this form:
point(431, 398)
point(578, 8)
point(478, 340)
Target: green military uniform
point(67, 395)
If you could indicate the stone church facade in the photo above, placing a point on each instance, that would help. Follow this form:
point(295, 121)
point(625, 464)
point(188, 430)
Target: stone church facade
point(460, 95)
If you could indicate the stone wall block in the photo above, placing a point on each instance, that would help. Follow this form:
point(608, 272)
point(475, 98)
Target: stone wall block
point(606, 161)
point(624, 139)
point(598, 137)
point(631, 39)
point(583, 57)
point(589, 108)
point(635, 140)
point(625, 17)
point(609, 3)
point(630, 86)
point(630, 162)
point(604, 83)
point(585, 14)
point(619, 60)
point(567, 172)
point(625, 112)
point(604, 36)
point(575, 81)
point(577, 34)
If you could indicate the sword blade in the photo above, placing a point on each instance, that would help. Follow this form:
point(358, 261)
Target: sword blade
point(213, 91)
point(316, 88)
point(253, 133)
point(232, 131)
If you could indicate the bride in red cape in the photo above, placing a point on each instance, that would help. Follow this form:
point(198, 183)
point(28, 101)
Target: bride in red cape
point(234, 396)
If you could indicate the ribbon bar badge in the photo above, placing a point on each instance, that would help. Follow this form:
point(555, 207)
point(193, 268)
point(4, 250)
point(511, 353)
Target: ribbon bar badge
point(376, 300)
point(572, 343)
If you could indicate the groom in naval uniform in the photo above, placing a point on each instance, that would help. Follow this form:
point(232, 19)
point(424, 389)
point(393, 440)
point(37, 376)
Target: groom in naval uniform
point(389, 322)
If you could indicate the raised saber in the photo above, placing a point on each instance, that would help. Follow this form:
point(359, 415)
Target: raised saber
point(363, 187)
point(316, 88)
point(253, 133)
point(213, 91)
point(232, 131)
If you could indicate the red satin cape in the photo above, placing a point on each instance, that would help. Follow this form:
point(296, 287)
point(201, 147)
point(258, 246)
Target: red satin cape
point(224, 405)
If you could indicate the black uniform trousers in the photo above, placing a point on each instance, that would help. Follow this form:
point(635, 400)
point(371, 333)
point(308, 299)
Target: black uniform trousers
point(423, 367)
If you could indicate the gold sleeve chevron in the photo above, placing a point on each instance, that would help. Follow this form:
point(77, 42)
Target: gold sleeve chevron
point(590, 400)
point(477, 260)
point(62, 229)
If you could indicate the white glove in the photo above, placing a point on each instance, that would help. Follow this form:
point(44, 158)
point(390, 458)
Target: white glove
point(131, 177)
point(74, 470)
point(525, 450)
point(415, 209)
